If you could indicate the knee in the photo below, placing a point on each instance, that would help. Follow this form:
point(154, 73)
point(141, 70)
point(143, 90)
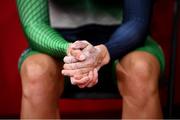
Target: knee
point(140, 65)
point(145, 78)
point(141, 68)
point(37, 67)
point(141, 76)
point(38, 74)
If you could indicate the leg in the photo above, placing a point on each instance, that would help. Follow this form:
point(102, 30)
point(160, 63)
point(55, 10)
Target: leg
point(42, 83)
point(138, 74)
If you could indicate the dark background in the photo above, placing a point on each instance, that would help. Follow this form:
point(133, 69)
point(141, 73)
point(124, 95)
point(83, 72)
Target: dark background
point(13, 42)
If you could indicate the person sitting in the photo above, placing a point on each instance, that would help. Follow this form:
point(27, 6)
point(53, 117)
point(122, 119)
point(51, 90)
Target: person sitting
point(92, 35)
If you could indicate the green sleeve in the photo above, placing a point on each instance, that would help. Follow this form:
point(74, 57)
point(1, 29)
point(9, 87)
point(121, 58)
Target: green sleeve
point(34, 16)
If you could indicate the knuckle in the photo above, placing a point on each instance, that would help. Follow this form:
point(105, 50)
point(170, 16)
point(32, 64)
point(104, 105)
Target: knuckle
point(64, 66)
point(85, 41)
point(75, 66)
point(89, 63)
point(76, 72)
point(64, 59)
point(94, 81)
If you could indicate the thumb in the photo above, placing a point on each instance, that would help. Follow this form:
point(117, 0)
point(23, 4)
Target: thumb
point(79, 45)
point(78, 54)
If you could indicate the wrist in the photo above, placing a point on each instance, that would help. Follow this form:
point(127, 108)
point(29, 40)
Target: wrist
point(104, 53)
point(68, 49)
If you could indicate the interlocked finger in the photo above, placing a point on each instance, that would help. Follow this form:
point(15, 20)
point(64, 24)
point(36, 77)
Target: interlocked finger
point(94, 79)
point(79, 44)
point(72, 73)
point(78, 65)
point(69, 59)
point(78, 54)
point(81, 82)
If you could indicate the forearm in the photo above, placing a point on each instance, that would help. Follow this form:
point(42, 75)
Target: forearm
point(132, 32)
point(126, 38)
point(34, 16)
point(44, 39)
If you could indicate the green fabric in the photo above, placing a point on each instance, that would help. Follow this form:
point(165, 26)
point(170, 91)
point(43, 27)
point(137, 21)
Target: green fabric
point(153, 48)
point(25, 55)
point(34, 17)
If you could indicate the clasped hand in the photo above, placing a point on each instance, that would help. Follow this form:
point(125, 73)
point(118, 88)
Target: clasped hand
point(83, 62)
